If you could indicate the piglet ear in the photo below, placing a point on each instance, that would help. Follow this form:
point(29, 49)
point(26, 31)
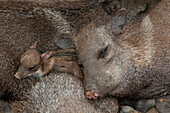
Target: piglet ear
point(118, 21)
point(46, 55)
point(34, 45)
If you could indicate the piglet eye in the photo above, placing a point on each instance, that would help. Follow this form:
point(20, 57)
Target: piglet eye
point(31, 68)
point(103, 52)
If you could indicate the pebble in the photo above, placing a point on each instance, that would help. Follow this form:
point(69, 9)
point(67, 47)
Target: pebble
point(163, 104)
point(126, 109)
point(153, 110)
point(145, 105)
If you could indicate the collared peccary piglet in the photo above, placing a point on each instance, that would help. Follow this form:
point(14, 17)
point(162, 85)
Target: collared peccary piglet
point(132, 62)
point(37, 63)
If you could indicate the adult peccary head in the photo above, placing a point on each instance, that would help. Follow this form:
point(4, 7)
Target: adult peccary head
point(133, 63)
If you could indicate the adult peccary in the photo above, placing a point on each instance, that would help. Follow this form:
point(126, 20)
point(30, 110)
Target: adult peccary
point(134, 62)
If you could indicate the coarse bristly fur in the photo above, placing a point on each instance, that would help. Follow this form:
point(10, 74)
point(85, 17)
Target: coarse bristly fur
point(134, 62)
point(21, 25)
point(19, 30)
point(62, 93)
point(25, 22)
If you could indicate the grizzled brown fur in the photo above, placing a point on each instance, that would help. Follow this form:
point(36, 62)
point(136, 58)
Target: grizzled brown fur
point(62, 93)
point(22, 24)
point(25, 22)
point(133, 62)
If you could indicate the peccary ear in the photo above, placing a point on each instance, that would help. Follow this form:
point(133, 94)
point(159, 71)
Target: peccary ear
point(34, 45)
point(64, 43)
point(118, 21)
point(46, 55)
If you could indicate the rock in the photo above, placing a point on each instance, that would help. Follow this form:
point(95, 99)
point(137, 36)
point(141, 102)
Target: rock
point(139, 105)
point(163, 104)
point(126, 109)
point(153, 110)
point(145, 105)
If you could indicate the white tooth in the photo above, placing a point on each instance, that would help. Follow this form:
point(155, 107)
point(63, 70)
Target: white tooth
point(96, 95)
point(89, 97)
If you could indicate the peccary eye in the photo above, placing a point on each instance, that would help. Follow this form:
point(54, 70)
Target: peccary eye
point(31, 68)
point(103, 52)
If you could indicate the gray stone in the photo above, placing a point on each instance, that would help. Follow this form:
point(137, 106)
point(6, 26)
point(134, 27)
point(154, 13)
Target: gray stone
point(126, 109)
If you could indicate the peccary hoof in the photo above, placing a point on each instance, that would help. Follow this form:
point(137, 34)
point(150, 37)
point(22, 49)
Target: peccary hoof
point(93, 95)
